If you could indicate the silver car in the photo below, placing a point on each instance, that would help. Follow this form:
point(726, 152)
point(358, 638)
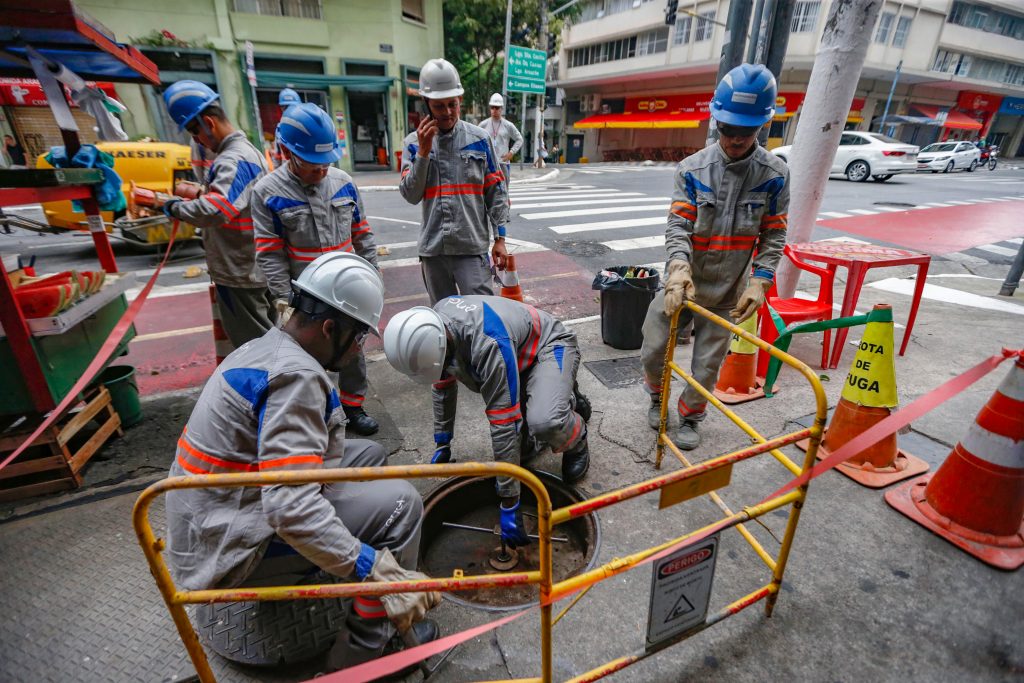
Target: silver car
point(949, 156)
point(867, 155)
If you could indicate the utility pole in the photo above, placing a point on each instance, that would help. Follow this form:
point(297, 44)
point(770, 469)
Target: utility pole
point(775, 47)
point(508, 38)
point(541, 98)
point(833, 82)
point(755, 32)
point(892, 91)
point(732, 47)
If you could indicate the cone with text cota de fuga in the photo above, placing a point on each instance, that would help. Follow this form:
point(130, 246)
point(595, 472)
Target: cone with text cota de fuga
point(975, 500)
point(869, 395)
point(222, 345)
point(509, 279)
point(737, 380)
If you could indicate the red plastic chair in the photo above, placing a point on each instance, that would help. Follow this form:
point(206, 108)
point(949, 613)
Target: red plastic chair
point(801, 310)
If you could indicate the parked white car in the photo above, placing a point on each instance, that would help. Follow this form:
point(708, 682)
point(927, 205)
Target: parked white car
point(949, 156)
point(867, 155)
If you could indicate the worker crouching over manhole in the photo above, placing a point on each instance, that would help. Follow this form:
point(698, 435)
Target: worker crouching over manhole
point(270, 407)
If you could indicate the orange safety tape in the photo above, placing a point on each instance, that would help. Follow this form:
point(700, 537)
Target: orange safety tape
point(377, 668)
point(102, 356)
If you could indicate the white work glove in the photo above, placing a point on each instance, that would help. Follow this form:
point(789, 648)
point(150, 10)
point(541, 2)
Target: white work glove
point(679, 286)
point(284, 311)
point(751, 299)
point(404, 609)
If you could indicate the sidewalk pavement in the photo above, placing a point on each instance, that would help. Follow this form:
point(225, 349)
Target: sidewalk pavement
point(868, 595)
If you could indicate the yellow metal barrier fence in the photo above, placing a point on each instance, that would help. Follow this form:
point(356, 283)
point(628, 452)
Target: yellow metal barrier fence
point(675, 487)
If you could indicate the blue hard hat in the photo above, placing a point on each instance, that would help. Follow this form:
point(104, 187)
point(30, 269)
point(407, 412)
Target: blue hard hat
point(288, 97)
point(308, 132)
point(186, 99)
point(745, 97)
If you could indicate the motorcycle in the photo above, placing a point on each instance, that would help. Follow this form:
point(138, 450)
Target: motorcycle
point(988, 157)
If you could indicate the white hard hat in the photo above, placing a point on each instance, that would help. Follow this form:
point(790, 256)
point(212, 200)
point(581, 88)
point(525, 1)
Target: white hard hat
point(415, 344)
point(496, 100)
point(439, 80)
point(347, 283)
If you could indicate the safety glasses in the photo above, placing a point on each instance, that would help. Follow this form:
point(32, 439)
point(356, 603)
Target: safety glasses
point(307, 166)
point(729, 131)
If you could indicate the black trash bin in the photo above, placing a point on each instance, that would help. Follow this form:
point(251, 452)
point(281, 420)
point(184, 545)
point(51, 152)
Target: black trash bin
point(626, 293)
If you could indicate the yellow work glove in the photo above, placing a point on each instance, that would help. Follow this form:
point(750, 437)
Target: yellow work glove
point(284, 311)
point(679, 286)
point(404, 609)
point(751, 299)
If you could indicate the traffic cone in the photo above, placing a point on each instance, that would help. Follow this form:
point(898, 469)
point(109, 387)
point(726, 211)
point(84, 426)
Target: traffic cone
point(976, 498)
point(509, 277)
point(868, 397)
point(222, 345)
point(737, 380)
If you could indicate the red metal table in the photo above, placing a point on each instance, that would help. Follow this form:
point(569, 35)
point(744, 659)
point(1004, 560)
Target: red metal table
point(858, 259)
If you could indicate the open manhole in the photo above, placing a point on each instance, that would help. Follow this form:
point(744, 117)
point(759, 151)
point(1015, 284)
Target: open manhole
point(471, 501)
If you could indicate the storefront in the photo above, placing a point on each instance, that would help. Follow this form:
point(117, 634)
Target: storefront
point(979, 107)
point(1007, 130)
point(656, 127)
point(27, 110)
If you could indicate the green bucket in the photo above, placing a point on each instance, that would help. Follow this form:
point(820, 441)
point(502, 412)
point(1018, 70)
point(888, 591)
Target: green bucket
point(124, 392)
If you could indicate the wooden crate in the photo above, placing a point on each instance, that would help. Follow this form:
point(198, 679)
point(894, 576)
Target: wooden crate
point(50, 464)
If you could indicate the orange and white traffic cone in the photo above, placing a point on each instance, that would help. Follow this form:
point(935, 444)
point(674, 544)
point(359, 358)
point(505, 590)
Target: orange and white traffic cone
point(868, 397)
point(737, 380)
point(976, 498)
point(222, 345)
point(509, 277)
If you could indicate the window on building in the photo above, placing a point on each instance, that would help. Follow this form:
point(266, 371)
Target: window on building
point(684, 22)
point(286, 65)
point(884, 27)
point(364, 69)
point(705, 26)
point(989, 19)
point(652, 42)
point(304, 9)
point(899, 38)
point(413, 9)
point(805, 16)
point(647, 43)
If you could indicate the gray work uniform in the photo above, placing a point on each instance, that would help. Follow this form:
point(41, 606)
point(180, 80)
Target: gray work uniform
point(505, 138)
point(222, 212)
point(295, 224)
point(269, 407)
point(464, 203)
point(523, 362)
point(722, 212)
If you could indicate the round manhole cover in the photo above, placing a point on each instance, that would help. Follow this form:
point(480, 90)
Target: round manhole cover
point(473, 502)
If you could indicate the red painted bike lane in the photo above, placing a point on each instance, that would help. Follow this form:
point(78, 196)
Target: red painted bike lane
point(174, 347)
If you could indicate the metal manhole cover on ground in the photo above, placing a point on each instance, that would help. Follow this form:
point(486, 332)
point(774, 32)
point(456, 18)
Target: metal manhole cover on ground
point(617, 373)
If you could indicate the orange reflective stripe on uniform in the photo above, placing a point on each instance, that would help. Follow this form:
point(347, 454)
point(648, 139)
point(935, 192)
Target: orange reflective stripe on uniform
point(723, 243)
point(577, 428)
point(269, 243)
point(353, 400)
point(312, 253)
point(448, 190)
point(685, 410)
point(500, 416)
point(444, 383)
point(493, 178)
point(197, 462)
point(685, 210)
point(222, 204)
point(369, 608)
point(526, 358)
point(776, 222)
point(361, 228)
point(238, 224)
point(289, 461)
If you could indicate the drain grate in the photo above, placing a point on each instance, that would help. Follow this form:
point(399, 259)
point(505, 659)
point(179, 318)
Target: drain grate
point(617, 373)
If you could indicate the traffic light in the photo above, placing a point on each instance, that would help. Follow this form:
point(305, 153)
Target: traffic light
point(670, 12)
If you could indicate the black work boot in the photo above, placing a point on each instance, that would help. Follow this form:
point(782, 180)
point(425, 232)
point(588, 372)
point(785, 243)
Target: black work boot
point(583, 408)
point(654, 413)
point(359, 422)
point(576, 461)
point(687, 438)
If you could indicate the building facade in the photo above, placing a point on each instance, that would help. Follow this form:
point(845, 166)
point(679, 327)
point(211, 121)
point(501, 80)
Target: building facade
point(358, 59)
point(636, 88)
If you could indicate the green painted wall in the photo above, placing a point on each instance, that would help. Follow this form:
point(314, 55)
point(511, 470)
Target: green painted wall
point(349, 30)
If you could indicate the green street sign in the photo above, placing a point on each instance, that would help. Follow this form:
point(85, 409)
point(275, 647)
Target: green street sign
point(526, 70)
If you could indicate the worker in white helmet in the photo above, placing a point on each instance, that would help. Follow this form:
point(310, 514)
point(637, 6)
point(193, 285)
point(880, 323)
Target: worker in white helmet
point(505, 137)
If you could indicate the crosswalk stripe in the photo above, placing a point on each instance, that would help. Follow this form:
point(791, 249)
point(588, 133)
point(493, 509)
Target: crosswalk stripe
point(588, 202)
point(891, 209)
point(1016, 240)
point(576, 195)
point(1010, 196)
point(996, 249)
point(398, 262)
point(607, 225)
point(593, 212)
point(835, 214)
point(948, 295)
point(957, 202)
point(937, 204)
point(399, 245)
point(551, 188)
point(636, 243)
point(965, 259)
point(863, 212)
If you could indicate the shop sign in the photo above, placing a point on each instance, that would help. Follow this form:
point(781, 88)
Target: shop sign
point(26, 92)
point(970, 101)
point(1013, 106)
point(694, 103)
point(788, 102)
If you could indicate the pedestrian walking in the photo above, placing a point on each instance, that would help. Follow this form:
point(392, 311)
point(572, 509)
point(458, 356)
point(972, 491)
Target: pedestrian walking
point(450, 168)
point(542, 153)
point(270, 407)
point(730, 202)
point(222, 211)
point(307, 207)
point(15, 152)
point(505, 137)
point(521, 360)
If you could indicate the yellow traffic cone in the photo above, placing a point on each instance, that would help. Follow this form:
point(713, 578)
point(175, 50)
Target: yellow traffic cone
point(737, 380)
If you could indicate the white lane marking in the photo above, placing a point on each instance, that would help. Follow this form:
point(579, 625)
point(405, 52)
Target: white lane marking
point(172, 333)
point(579, 321)
point(965, 259)
point(1010, 196)
point(663, 207)
point(393, 220)
point(398, 262)
point(581, 195)
point(550, 188)
point(159, 292)
point(998, 199)
point(522, 246)
point(588, 202)
point(607, 225)
point(948, 295)
point(957, 202)
point(863, 212)
point(590, 172)
point(969, 275)
point(636, 243)
point(850, 240)
point(399, 245)
point(835, 214)
point(1016, 240)
point(936, 204)
point(891, 209)
point(996, 249)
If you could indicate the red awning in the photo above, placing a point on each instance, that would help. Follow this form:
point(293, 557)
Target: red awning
point(957, 119)
point(643, 120)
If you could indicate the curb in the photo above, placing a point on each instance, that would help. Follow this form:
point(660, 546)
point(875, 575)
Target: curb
point(378, 188)
point(547, 176)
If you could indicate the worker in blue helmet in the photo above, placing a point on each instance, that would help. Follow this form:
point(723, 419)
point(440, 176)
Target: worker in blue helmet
point(726, 229)
point(285, 99)
point(307, 207)
point(222, 211)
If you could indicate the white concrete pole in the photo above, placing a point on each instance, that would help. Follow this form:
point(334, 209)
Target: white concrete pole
point(833, 82)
